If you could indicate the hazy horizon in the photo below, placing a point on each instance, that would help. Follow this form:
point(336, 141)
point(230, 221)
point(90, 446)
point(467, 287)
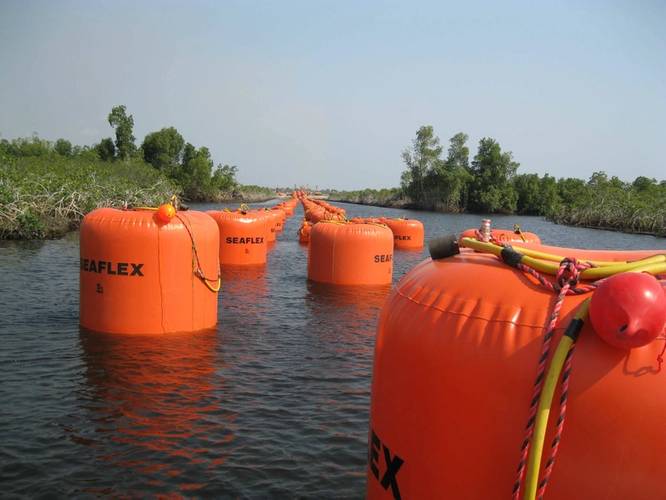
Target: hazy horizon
point(330, 93)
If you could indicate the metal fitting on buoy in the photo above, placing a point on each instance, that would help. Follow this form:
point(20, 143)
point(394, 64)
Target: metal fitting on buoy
point(485, 230)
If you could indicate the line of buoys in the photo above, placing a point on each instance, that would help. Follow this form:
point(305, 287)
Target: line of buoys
point(246, 235)
point(317, 210)
point(157, 270)
point(458, 345)
point(148, 271)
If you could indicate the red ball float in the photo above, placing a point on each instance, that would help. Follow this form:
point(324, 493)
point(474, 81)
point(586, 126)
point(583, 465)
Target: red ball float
point(628, 310)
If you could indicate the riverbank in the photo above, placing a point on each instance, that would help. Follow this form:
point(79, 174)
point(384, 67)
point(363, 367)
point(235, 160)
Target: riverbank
point(44, 198)
point(649, 221)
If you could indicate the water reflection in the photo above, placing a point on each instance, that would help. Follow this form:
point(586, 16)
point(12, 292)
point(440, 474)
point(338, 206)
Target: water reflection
point(243, 293)
point(353, 309)
point(155, 406)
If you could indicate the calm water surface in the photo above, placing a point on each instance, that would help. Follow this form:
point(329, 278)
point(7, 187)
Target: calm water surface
point(272, 403)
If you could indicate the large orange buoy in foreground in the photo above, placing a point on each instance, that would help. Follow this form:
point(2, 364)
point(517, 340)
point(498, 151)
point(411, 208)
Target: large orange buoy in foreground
point(456, 354)
point(350, 254)
point(140, 274)
point(408, 234)
point(243, 237)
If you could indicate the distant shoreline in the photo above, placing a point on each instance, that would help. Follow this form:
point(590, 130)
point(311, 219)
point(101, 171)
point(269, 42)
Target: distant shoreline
point(405, 205)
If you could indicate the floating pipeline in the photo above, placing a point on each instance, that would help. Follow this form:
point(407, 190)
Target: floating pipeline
point(317, 210)
point(463, 361)
point(148, 271)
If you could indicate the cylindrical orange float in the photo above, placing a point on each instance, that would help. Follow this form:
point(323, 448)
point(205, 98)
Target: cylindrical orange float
point(274, 221)
point(350, 254)
point(408, 234)
point(456, 354)
point(140, 275)
point(280, 218)
point(243, 237)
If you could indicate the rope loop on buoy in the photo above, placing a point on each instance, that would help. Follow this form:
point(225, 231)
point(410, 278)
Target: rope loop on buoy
point(196, 264)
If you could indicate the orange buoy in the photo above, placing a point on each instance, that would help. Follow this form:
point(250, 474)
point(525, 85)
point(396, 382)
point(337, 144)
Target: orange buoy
point(280, 218)
point(350, 254)
point(304, 232)
point(271, 219)
point(457, 349)
point(408, 234)
point(243, 237)
point(137, 276)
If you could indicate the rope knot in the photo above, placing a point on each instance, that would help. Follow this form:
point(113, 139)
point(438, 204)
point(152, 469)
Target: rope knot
point(568, 275)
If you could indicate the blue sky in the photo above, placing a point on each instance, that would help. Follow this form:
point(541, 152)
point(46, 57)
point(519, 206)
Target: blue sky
point(329, 93)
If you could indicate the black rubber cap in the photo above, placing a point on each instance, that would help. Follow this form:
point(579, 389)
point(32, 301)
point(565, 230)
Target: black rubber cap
point(443, 247)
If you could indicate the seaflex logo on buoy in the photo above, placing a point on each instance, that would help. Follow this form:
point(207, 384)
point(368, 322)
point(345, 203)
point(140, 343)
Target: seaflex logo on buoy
point(390, 465)
point(116, 268)
point(383, 258)
point(248, 240)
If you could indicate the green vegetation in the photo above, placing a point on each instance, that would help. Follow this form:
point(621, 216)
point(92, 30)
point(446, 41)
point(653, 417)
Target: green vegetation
point(46, 196)
point(490, 184)
point(46, 188)
point(124, 126)
point(393, 197)
point(638, 207)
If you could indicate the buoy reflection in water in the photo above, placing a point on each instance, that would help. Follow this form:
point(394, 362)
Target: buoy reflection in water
point(154, 399)
point(354, 308)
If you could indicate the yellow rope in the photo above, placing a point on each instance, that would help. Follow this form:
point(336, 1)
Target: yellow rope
point(215, 288)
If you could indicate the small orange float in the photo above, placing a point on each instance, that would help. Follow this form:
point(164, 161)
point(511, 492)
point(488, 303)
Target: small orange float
point(243, 237)
point(139, 274)
point(350, 254)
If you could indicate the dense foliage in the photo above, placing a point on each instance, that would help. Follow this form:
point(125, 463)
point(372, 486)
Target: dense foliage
point(46, 188)
point(490, 184)
point(379, 197)
point(45, 196)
